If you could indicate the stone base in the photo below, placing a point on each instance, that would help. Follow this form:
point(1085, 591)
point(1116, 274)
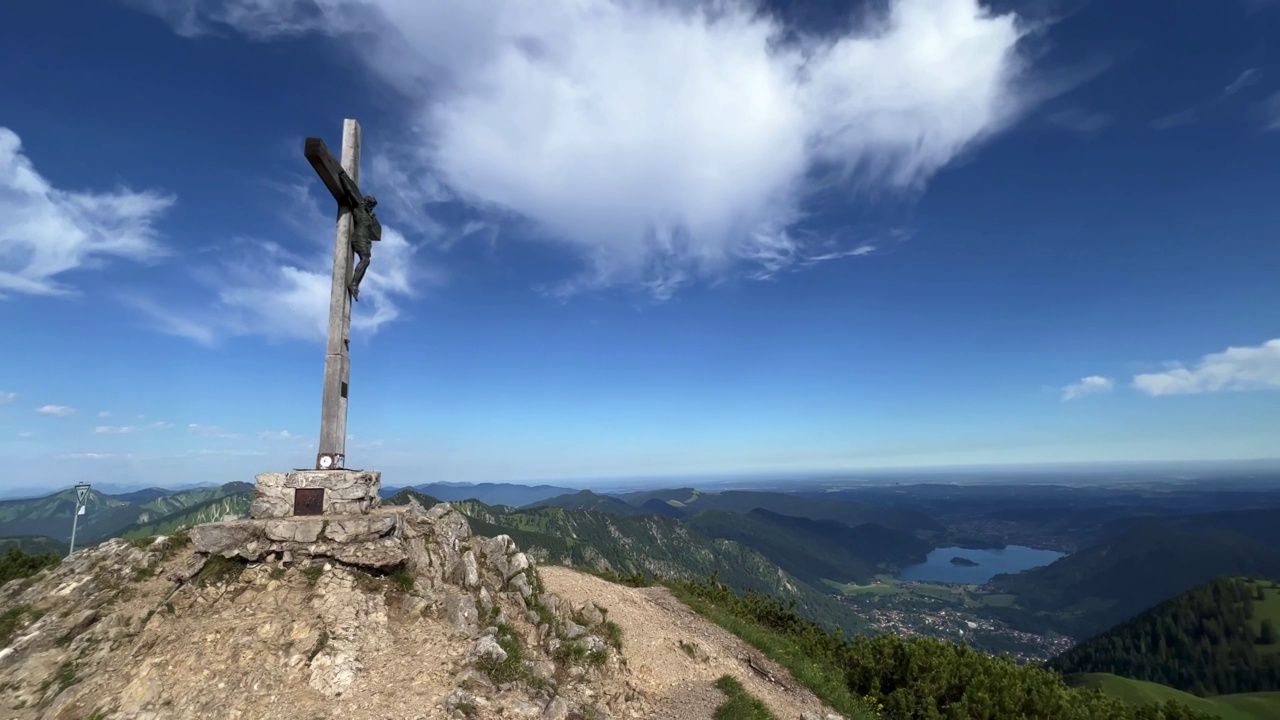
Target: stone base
point(345, 492)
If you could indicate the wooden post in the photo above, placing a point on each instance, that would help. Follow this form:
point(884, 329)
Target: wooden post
point(337, 360)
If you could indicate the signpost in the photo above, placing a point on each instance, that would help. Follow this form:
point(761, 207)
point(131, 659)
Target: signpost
point(82, 495)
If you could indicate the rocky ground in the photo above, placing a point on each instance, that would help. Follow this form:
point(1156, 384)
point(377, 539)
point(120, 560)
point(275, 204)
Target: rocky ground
point(398, 614)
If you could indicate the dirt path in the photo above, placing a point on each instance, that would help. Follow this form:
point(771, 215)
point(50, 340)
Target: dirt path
point(678, 682)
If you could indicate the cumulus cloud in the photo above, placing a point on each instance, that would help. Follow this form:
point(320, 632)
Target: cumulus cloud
point(48, 232)
point(56, 410)
point(662, 142)
point(1092, 385)
point(1236, 368)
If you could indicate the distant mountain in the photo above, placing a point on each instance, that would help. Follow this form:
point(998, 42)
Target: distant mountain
point(1087, 592)
point(34, 544)
point(105, 515)
point(649, 545)
point(815, 550)
point(223, 507)
point(688, 501)
point(587, 500)
point(654, 506)
point(1217, 638)
point(144, 495)
point(509, 494)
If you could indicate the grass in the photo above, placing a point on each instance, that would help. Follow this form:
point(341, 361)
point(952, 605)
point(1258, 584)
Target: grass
point(276, 573)
point(1267, 609)
point(740, 705)
point(312, 573)
point(10, 621)
point(1241, 706)
point(403, 579)
point(613, 634)
point(218, 570)
point(826, 681)
point(510, 669)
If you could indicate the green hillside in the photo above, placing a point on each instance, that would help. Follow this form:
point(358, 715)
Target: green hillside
point(1242, 706)
point(221, 507)
point(34, 544)
point(1215, 639)
point(105, 515)
point(587, 500)
point(1087, 592)
point(909, 679)
point(744, 501)
point(815, 550)
point(647, 545)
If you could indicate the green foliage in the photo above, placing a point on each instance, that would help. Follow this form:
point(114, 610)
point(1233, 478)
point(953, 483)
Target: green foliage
point(16, 564)
point(740, 704)
point(916, 679)
point(13, 618)
point(402, 579)
point(218, 570)
point(322, 642)
point(1202, 641)
point(613, 634)
point(1267, 632)
point(312, 573)
point(183, 510)
point(277, 573)
point(510, 669)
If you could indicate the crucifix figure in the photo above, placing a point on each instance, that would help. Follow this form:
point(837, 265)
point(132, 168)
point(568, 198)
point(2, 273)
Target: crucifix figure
point(358, 228)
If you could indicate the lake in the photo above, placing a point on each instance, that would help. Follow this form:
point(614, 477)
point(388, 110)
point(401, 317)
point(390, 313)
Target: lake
point(938, 567)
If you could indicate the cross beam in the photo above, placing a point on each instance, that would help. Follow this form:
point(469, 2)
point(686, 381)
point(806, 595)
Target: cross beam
point(331, 174)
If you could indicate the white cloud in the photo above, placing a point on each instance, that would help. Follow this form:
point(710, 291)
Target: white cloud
point(104, 414)
point(660, 141)
point(48, 231)
point(113, 430)
point(1249, 77)
point(1236, 368)
point(56, 410)
point(1273, 112)
point(263, 289)
point(7, 397)
point(160, 425)
point(1092, 385)
point(210, 431)
point(26, 434)
point(277, 435)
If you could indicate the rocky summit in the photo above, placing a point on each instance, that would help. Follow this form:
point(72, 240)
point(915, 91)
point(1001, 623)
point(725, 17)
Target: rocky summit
point(395, 612)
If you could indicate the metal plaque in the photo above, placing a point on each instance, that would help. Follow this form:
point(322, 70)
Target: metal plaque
point(308, 501)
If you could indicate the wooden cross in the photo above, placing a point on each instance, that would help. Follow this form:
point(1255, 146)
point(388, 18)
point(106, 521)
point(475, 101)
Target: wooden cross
point(337, 360)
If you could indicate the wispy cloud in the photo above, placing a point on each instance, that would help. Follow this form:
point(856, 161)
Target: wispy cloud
point(104, 414)
point(7, 397)
point(1249, 77)
point(277, 435)
point(49, 231)
point(259, 287)
point(1236, 368)
point(26, 434)
point(113, 430)
point(1273, 112)
point(56, 410)
point(663, 142)
point(1092, 385)
point(211, 431)
point(1190, 115)
point(1079, 121)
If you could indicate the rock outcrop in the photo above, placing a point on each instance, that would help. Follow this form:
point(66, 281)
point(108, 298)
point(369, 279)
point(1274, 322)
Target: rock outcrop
point(395, 612)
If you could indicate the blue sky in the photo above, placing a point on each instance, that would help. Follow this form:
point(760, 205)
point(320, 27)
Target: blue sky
point(629, 239)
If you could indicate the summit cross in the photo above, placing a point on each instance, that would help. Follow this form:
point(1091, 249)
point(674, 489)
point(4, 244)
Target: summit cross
point(357, 229)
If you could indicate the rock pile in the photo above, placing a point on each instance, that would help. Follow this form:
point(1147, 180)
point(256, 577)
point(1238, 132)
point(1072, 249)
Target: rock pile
point(390, 612)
